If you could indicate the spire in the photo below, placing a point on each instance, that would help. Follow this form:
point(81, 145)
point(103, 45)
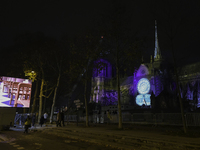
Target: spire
point(142, 60)
point(157, 53)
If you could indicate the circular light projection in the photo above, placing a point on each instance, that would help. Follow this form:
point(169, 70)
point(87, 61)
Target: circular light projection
point(143, 86)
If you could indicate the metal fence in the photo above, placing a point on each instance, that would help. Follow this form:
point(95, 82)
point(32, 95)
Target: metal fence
point(192, 119)
point(20, 119)
point(149, 118)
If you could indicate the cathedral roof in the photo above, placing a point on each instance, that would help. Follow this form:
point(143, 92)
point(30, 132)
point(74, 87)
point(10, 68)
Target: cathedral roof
point(189, 69)
point(142, 71)
point(127, 81)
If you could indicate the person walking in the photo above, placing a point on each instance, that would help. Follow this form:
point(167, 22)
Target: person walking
point(109, 117)
point(33, 120)
point(27, 124)
point(62, 118)
point(58, 123)
point(45, 117)
point(37, 114)
point(42, 121)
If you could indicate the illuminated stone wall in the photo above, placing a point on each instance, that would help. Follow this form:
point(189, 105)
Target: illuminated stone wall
point(104, 86)
point(101, 81)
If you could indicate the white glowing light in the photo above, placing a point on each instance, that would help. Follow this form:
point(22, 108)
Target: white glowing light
point(143, 86)
point(143, 100)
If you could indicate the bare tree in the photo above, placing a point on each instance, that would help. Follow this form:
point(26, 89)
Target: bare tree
point(172, 16)
point(85, 50)
point(121, 44)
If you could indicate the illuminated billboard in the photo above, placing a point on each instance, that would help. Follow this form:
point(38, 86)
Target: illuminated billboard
point(15, 92)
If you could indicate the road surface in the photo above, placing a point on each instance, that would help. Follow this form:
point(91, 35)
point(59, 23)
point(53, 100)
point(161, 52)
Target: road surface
point(42, 141)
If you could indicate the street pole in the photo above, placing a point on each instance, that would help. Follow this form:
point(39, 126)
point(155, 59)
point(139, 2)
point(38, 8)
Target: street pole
point(78, 104)
point(77, 116)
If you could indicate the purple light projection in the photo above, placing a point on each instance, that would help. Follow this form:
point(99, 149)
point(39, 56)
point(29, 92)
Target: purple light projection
point(142, 72)
point(198, 96)
point(189, 93)
point(102, 75)
point(173, 86)
point(131, 90)
point(102, 72)
point(102, 68)
point(142, 86)
point(158, 85)
point(109, 98)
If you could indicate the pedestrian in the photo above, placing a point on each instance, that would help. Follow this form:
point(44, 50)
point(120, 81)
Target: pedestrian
point(33, 120)
point(42, 121)
point(45, 117)
point(37, 116)
point(62, 118)
point(22, 119)
point(109, 117)
point(27, 124)
point(58, 123)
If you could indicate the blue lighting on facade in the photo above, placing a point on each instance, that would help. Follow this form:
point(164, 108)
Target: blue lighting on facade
point(143, 86)
point(143, 100)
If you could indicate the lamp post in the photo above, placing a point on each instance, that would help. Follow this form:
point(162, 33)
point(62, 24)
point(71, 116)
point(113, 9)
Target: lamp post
point(78, 105)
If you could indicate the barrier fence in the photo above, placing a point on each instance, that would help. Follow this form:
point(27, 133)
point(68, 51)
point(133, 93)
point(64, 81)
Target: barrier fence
point(192, 119)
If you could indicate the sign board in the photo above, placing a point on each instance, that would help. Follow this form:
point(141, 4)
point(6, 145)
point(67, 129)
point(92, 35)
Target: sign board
point(65, 109)
point(19, 85)
point(77, 101)
point(78, 106)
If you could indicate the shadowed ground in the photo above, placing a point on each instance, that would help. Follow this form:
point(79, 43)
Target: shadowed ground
point(102, 136)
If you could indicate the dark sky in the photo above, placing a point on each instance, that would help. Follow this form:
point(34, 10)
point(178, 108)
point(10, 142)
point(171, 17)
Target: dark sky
point(56, 18)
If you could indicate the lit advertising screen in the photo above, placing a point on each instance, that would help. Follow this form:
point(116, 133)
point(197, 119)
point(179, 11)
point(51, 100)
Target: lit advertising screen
point(15, 92)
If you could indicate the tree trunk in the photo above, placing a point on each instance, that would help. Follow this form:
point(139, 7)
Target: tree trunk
point(179, 93)
point(41, 95)
point(181, 104)
point(54, 99)
point(35, 97)
point(44, 108)
point(118, 91)
point(85, 96)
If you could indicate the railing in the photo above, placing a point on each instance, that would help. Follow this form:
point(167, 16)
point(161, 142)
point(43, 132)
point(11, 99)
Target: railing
point(192, 119)
point(71, 118)
point(160, 118)
point(20, 119)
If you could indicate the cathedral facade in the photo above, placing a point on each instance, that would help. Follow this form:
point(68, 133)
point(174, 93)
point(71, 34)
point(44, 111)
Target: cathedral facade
point(152, 85)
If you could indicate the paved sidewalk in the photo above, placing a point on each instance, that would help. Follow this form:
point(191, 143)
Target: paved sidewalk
point(135, 135)
point(139, 136)
point(20, 128)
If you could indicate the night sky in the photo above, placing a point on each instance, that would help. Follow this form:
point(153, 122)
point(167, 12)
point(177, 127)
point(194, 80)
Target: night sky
point(56, 18)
